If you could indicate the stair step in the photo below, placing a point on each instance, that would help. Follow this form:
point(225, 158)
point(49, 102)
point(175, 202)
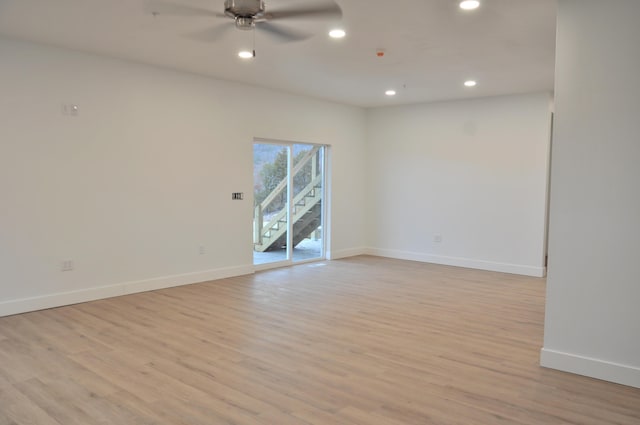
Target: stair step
point(305, 221)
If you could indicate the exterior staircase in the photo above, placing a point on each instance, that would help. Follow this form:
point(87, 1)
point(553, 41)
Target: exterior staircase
point(306, 215)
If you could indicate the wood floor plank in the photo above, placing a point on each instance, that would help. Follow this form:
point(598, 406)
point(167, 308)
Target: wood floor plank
point(358, 341)
point(18, 409)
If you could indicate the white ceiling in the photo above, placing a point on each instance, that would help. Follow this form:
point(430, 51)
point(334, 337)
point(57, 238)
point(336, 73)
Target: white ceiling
point(431, 46)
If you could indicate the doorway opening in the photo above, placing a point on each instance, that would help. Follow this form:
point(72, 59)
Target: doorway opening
point(289, 203)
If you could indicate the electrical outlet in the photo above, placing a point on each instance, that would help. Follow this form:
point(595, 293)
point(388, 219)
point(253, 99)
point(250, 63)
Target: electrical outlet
point(202, 250)
point(66, 265)
point(437, 238)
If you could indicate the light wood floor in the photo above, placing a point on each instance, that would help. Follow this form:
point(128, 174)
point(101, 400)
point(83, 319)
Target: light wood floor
point(360, 341)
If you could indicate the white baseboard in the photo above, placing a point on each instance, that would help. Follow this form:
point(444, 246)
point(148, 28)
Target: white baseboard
point(344, 253)
point(460, 262)
point(593, 368)
point(25, 305)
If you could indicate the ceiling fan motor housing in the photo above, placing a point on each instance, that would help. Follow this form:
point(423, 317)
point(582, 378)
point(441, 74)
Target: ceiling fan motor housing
point(245, 12)
point(244, 8)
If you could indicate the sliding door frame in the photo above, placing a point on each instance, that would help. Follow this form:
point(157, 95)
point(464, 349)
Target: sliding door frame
point(324, 220)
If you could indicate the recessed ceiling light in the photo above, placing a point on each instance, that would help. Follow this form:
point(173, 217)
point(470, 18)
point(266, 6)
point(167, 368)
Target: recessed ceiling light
point(470, 83)
point(245, 54)
point(469, 4)
point(337, 33)
point(390, 92)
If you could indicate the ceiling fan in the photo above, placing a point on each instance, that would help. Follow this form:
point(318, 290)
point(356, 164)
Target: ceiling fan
point(249, 15)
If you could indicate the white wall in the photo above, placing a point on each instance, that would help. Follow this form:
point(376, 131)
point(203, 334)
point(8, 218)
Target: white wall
point(473, 172)
point(592, 322)
point(132, 186)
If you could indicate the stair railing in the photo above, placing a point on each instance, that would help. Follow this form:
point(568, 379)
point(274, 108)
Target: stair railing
point(259, 227)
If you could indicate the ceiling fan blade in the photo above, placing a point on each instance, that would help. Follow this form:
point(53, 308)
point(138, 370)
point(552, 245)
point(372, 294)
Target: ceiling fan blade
point(317, 10)
point(284, 34)
point(211, 34)
point(160, 7)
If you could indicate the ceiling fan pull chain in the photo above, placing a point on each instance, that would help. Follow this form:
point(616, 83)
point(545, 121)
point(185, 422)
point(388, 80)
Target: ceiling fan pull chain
point(254, 42)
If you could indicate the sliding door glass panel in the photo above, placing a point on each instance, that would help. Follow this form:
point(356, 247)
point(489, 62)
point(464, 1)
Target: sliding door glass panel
point(271, 207)
point(307, 202)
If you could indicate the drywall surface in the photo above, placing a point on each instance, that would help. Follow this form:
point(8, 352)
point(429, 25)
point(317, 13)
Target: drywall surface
point(461, 183)
point(592, 324)
point(138, 180)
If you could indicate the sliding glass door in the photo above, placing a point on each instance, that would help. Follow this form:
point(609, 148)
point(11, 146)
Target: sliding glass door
point(289, 185)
